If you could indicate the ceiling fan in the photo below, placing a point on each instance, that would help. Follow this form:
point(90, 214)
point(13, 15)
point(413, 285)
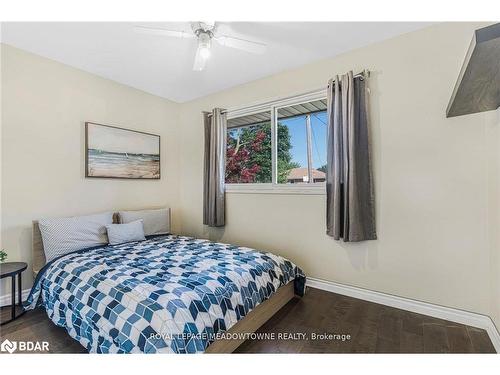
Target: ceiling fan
point(205, 32)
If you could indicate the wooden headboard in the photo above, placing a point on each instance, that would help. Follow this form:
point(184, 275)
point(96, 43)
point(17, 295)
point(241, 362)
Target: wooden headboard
point(37, 245)
point(37, 249)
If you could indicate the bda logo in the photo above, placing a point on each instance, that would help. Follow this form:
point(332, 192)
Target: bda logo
point(24, 346)
point(8, 346)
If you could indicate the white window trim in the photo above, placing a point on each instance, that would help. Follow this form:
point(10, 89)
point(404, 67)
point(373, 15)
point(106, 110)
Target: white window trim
point(318, 188)
point(275, 188)
point(317, 94)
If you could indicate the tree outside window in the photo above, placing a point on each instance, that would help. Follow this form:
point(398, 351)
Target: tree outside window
point(248, 154)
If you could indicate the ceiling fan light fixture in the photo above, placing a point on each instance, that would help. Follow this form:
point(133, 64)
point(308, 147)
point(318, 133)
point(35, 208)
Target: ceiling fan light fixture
point(204, 32)
point(204, 44)
point(205, 52)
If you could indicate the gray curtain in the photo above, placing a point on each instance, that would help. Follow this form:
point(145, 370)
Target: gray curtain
point(214, 168)
point(350, 210)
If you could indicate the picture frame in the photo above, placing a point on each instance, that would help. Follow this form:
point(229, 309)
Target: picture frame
point(119, 153)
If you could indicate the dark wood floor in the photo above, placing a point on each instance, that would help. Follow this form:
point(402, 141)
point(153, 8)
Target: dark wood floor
point(373, 328)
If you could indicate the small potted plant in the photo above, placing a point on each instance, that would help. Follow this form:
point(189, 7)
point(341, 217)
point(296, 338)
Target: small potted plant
point(3, 256)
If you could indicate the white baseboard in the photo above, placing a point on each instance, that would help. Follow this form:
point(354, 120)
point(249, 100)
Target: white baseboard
point(6, 299)
point(436, 311)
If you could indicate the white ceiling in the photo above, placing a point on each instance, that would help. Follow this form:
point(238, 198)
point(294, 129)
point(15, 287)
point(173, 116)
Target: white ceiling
point(163, 65)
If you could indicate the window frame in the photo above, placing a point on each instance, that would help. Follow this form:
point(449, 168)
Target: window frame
point(309, 188)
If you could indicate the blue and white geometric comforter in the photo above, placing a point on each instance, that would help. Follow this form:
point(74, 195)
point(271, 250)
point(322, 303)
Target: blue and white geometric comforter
point(167, 294)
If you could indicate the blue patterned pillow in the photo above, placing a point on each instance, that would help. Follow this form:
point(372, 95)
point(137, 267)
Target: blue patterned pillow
point(64, 235)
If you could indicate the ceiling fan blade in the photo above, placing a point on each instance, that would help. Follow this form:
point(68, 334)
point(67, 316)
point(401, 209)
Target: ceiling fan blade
point(164, 32)
point(245, 45)
point(199, 62)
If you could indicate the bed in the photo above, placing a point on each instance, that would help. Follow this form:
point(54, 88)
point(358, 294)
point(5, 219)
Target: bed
point(166, 294)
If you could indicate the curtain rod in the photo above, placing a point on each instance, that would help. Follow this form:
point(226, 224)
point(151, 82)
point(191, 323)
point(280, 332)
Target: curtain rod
point(363, 75)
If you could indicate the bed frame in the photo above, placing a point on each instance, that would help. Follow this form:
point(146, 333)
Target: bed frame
point(249, 324)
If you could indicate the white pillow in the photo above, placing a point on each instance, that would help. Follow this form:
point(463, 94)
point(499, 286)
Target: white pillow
point(64, 235)
point(155, 221)
point(121, 233)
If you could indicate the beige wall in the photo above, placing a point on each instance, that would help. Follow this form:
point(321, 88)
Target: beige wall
point(433, 177)
point(494, 213)
point(44, 107)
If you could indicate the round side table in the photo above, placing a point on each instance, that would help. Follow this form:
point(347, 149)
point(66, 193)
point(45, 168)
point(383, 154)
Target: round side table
point(11, 269)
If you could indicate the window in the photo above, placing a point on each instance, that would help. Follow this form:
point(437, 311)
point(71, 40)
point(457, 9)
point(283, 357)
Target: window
point(302, 143)
point(248, 149)
point(282, 143)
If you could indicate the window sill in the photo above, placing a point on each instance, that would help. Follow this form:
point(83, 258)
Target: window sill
point(291, 189)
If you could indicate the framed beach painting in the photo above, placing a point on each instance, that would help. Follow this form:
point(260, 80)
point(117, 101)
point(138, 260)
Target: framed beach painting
point(112, 152)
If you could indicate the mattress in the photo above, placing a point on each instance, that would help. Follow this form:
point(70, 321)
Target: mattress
point(166, 294)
